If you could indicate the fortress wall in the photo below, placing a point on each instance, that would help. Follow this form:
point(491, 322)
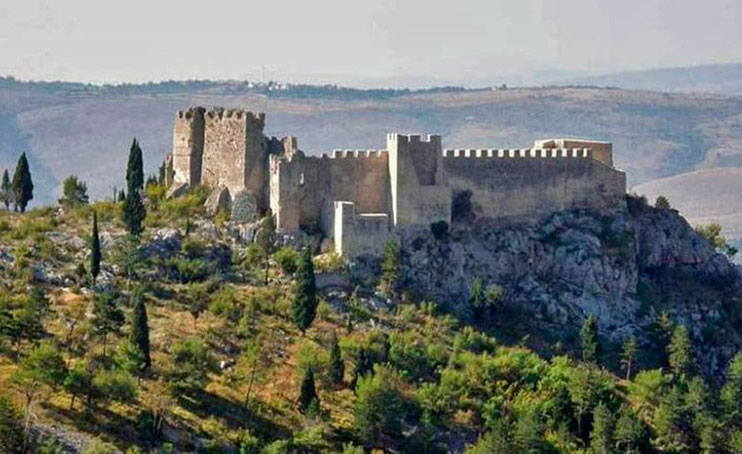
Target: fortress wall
point(188, 146)
point(304, 189)
point(419, 194)
point(234, 152)
point(356, 234)
point(531, 183)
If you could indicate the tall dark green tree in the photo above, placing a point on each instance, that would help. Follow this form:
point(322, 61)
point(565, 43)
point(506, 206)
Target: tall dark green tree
point(140, 327)
point(22, 184)
point(135, 169)
point(308, 393)
point(304, 306)
point(629, 432)
point(134, 213)
point(731, 393)
point(95, 250)
point(266, 241)
point(628, 355)
point(6, 190)
point(337, 367)
point(589, 339)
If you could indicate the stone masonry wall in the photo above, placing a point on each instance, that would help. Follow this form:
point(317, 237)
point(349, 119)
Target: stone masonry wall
point(303, 189)
point(529, 184)
point(188, 146)
point(235, 152)
point(356, 234)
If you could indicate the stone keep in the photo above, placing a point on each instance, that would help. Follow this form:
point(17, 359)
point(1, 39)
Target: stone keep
point(364, 198)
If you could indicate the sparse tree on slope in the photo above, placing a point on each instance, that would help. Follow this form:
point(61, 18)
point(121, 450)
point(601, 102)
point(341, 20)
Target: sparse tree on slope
point(22, 184)
point(12, 439)
point(390, 270)
point(74, 192)
point(95, 254)
point(590, 340)
point(134, 213)
point(135, 169)
point(266, 241)
point(6, 190)
point(628, 355)
point(140, 327)
point(337, 368)
point(304, 307)
point(308, 393)
point(601, 438)
point(107, 317)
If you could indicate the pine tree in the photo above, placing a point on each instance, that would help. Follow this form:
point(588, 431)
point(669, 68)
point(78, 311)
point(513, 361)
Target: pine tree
point(337, 368)
point(140, 327)
point(731, 393)
point(601, 438)
point(590, 340)
point(95, 250)
point(134, 213)
point(12, 436)
point(134, 169)
point(630, 432)
point(680, 352)
point(74, 192)
point(304, 307)
point(528, 436)
point(6, 190)
point(628, 355)
point(22, 184)
point(107, 317)
point(308, 393)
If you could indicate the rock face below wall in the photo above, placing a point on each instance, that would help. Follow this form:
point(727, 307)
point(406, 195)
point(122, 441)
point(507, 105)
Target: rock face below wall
point(624, 268)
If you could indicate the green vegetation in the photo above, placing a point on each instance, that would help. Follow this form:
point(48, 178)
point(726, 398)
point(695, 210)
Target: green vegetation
point(304, 306)
point(22, 184)
point(74, 192)
point(6, 190)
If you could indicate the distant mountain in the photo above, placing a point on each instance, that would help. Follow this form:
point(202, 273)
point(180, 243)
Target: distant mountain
point(86, 130)
point(722, 79)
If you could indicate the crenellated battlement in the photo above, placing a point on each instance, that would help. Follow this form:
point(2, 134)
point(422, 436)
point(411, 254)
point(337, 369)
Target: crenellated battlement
point(349, 153)
point(193, 113)
point(571, 153)
point(412, 138)
point(222, 114)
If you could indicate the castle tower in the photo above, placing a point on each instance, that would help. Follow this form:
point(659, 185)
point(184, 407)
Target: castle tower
point(235, 153)
point(418, 188)
point(188, 146)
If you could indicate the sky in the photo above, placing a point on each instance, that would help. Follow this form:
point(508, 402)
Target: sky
point(361, 43)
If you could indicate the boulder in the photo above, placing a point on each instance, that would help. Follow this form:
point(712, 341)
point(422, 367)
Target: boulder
point(244, 207)
point(218, 200)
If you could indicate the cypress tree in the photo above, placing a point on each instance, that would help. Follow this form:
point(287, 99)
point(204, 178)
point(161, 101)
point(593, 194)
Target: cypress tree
point(134, 213)
point(140, 327)
point(304, 307)
point(22, 184)
point(337, 368)
point(590, 341)
point(308, 392)
point(95, 250)
point(6, 190)
point(390, 272)
point(134, 169)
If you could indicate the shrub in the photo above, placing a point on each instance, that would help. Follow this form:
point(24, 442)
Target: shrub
point(439, 230)
point(286, 258)
point(192, 363)
point(662, 203)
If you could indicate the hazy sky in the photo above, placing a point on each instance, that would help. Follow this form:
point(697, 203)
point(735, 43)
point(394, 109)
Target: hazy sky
point(360, 42)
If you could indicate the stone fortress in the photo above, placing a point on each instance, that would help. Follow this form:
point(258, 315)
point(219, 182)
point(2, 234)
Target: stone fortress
point(363, 198)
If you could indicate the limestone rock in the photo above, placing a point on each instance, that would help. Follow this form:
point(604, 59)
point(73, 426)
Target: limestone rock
point(219, 199)
point(244, 207)
point(176, 190)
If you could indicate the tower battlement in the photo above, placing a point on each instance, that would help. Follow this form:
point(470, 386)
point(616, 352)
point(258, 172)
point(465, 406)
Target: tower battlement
point(519, 153)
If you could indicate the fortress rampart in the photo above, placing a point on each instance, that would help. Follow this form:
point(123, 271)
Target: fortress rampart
point(362, 198)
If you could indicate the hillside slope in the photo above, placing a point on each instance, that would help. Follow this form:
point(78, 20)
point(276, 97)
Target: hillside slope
point(703, 196)
point(70, 129)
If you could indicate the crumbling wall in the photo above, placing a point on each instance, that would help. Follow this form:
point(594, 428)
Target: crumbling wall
point(235, 152)
point(529, 184)
point(356, 234)
point(303, 188)
point(188, 146)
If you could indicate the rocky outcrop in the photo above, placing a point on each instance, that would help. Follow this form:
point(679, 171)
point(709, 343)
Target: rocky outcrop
point(624, 267)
